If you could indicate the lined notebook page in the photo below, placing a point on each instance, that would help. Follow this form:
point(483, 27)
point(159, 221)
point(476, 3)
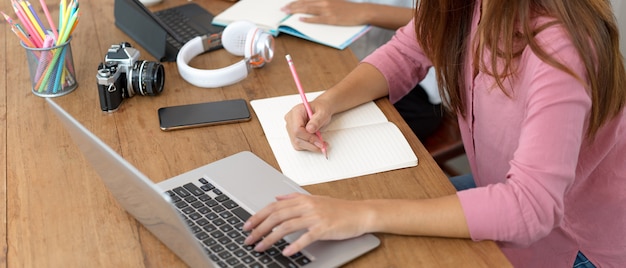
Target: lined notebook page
point(361, 141)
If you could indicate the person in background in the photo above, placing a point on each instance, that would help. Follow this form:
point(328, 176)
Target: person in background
point(421, 107)
point(539, 88)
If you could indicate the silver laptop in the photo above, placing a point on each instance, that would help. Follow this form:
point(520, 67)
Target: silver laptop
point(198, 214)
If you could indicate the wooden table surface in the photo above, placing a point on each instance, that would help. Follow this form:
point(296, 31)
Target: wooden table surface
point(57, 213)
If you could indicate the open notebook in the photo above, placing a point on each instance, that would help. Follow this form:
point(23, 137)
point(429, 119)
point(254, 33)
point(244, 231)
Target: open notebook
point(361, 141)
point(266, 14)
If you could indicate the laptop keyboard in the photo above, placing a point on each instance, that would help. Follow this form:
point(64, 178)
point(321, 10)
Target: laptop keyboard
point(216, 221)
point(180, 24)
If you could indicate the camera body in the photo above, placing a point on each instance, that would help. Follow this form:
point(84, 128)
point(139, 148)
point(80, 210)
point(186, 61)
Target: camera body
point(123, 75)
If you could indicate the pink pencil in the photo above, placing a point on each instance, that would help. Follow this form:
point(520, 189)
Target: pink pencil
point(17, 31)
point(309, 112)
point(29, 27)
point(49, 18)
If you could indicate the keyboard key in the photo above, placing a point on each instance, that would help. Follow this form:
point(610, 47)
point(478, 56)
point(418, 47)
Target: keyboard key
point(224, 240)
point(207, 187)
point(229, 204)
point(188, 210)
point(272, 251)
point(218, 208)
point(247, 259)
point(181, 192)
point(181, 204)
point(226, 228)
point(190, 199)
point(255, 265)
point(212, 216)
point(209, 228)
point(204, 197)
point(202, 235)
point(232, 261)
point(204, 210)
point(286, 262)
point(241, 213)
point(192, 188)
point(217, 248)
point(202, 222)
point(232, 247)
point(218, 222)
point(211, 203)
point(221, 198)
point(233, 234)
point(217, 234)
point(264, 259)
point(226, 214)
point(234, 221)
point(225, 255)
point(195, 216)
point(210, 242)
point(197, 204)
point(214, 257)
point(303, 261)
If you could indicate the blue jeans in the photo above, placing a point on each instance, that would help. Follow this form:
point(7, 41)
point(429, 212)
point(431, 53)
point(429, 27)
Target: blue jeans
point(582, 261)
point(463, 182)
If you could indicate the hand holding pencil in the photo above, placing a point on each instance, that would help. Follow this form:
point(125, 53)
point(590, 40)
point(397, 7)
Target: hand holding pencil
point(305, 102)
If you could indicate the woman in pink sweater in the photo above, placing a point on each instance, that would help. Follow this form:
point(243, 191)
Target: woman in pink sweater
point(539, 88)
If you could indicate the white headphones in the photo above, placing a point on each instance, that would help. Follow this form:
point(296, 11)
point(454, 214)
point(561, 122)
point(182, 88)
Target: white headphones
point(241, 38)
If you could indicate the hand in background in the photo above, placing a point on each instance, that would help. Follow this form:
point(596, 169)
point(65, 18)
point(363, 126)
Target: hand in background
point(334, 12)
point(345, 13)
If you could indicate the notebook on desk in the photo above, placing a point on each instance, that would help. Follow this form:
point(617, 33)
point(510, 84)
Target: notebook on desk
point(268, 16)
point(164, 32)
point(362, 141)
point(198, 214)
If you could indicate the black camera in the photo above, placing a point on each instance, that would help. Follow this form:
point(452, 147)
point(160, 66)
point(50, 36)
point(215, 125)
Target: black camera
point(122, 75)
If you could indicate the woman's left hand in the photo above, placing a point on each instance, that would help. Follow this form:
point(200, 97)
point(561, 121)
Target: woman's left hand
point(331, 12)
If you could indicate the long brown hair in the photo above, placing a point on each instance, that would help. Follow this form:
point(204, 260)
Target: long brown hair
point(443, 28)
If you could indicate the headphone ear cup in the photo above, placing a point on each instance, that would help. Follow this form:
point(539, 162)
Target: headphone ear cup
point(259, 48)
point(235, 35)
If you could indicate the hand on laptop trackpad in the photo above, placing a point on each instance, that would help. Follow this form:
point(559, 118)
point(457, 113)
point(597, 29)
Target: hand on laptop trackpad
point(150, 2)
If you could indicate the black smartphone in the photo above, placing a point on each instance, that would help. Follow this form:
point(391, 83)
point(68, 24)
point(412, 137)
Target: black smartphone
point(203, 114)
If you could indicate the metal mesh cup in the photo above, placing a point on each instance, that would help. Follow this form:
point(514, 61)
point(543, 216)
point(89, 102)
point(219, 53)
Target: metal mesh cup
point(52, 72)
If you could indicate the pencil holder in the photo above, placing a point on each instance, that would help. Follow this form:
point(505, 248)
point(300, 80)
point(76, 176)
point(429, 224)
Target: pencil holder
point(52, 72)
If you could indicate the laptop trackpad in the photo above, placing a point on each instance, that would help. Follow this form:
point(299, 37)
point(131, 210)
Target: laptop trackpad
point(256, 202)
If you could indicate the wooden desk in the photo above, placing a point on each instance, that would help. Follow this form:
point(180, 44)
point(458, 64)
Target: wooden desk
point(57, 213)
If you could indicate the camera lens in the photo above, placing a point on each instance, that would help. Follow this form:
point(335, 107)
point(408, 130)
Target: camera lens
point(147, 78)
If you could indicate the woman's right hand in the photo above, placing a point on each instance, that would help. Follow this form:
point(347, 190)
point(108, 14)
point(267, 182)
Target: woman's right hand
point(302, 130)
